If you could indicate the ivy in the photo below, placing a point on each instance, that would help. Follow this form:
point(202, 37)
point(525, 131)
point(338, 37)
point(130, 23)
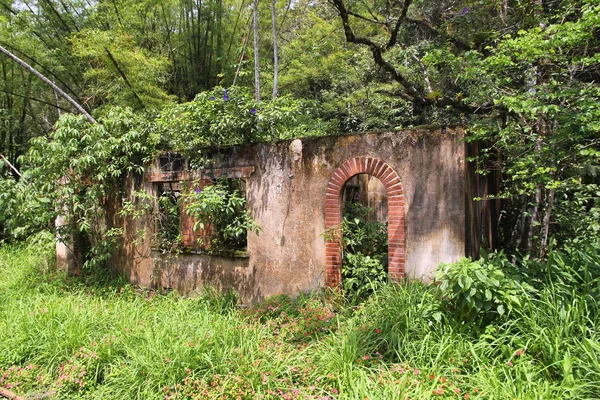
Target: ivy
point(224, 117)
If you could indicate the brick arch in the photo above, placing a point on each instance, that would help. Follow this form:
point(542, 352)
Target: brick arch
point(333, 215)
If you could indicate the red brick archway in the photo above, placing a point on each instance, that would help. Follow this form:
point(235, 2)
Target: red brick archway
point(333, 215)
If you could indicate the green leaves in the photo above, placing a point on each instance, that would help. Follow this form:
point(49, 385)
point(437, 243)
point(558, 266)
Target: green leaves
point(224, 117)
point(122, 72)
point(71, 173)
point(364, 266)
point(220, 210)
point(480, 289)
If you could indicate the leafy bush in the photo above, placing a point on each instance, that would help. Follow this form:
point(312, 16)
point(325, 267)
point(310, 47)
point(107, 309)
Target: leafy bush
point(222, 210)
point(362, 275)
point(482, 289)
point(364, 265)
point(361, 235)
point(225, 117)
point(72, 173)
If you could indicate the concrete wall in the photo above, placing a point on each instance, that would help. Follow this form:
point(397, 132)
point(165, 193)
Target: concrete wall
point(286, 184)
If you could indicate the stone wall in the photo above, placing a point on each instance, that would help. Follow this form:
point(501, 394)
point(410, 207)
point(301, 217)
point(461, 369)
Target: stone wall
point(293, 191)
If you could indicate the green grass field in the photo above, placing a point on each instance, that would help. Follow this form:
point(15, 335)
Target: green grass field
point(62, 338)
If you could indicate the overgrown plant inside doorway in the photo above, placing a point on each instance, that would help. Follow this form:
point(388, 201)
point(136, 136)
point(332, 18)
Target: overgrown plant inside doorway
point(365, 253)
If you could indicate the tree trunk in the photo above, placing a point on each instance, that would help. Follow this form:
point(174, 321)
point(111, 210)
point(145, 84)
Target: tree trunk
point(219, 53)
point(256, 59)
point(275, 50)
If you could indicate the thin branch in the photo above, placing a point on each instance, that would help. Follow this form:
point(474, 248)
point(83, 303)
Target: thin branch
point(235, 26)
point(374, 21)
point(122, 74)
point(34, 99)
point(7, 7)
point(11, 166)
point(237, 71)
point(433, 30)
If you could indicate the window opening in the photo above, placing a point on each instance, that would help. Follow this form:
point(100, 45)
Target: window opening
point(167, 221)
point(206, 216)
point(171, 162)
point(215, 219)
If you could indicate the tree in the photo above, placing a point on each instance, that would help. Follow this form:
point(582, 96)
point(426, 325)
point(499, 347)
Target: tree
point(275, 50)
point(467, 62)
point(256, 51)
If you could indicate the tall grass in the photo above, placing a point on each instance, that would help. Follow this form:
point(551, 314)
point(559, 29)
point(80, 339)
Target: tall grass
point(65, 338)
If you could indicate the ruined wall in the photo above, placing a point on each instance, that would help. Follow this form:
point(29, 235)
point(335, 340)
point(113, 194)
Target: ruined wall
point(286, 195)
point(286, 186)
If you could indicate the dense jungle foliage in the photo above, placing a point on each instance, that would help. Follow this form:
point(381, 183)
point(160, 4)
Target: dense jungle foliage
point(120, 81)
point(521, 76)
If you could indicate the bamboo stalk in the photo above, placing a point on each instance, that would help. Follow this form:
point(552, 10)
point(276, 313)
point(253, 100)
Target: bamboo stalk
point(48, 82)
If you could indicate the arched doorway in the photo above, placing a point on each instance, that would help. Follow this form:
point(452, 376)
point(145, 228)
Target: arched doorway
point(333, 215)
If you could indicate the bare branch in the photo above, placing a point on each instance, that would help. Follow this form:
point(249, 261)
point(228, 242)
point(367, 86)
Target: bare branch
point(48, 82)
point(11, 166)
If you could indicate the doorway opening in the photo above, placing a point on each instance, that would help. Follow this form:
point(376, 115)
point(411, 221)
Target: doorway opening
point(333, 215)
point(364, 236)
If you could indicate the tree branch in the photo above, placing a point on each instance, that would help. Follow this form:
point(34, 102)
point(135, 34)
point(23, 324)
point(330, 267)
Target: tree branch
point(411, 92)
point(34, 99)
point(401, 18)
point(122, 74)
point(48, 82)
point(433, 30)
point(11, 166)
point(356, 15)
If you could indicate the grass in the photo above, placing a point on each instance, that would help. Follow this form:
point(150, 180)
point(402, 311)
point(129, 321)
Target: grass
point(64, 338)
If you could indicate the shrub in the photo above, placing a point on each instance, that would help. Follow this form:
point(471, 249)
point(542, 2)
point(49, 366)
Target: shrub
point(362, 276)
point(222, 209)
point(482, 289)
point(364, 265)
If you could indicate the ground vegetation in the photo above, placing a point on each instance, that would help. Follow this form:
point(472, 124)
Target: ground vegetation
point(98, 337)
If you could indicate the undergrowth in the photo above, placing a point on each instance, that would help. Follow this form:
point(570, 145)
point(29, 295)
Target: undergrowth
point(62, 337)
